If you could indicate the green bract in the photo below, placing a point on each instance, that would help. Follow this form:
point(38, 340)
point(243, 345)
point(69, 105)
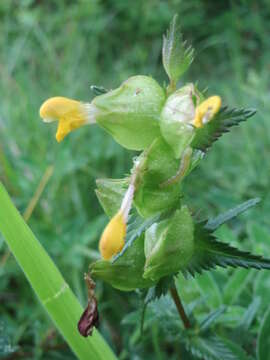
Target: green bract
point(110, 193)
point(159, 164)
point(126, 273)
point(131, 113)
point(176, 119)
point(169, 245)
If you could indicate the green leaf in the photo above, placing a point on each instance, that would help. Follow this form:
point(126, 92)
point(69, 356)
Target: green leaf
point(211, 348)
point(154, 293)
point(6, 349)
point(209, 289)
point(125, 273)
point(176, 54)
point(219, 125)
point(263, 344)
point(110, 193)
point(136, 226)
point(262, 288)
point(213, 224)
point(232, 317)
point(236, 285)
point(169, 244)
point(210, 253)
point(250, 313)
point(98, 90)
point(211, 318)
point(239, 353)
point(161, 288)
point(48, 283)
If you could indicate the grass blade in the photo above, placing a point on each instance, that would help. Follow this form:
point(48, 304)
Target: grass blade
point(48, 283)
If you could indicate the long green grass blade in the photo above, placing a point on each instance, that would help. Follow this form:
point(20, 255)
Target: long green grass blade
point(48, 283)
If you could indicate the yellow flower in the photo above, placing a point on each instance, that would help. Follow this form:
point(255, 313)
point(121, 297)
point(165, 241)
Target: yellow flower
point(71, 114)
point(112, 239)
point(206, 111)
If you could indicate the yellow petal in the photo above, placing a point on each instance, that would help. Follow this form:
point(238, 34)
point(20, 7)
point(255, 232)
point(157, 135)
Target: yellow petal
point(113, 238)
point(71, 114)
point(206, 110)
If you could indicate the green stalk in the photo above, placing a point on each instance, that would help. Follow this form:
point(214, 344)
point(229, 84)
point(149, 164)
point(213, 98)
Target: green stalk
point(48, 283)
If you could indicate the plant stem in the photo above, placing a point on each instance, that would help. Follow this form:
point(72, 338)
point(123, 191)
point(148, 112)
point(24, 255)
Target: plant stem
point(180, 307)
point(48, 283)
point(41, 186)
point(32, 204)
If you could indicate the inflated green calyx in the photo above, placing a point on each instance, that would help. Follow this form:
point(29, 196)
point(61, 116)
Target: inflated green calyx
point(169, 245)
point(131, 113)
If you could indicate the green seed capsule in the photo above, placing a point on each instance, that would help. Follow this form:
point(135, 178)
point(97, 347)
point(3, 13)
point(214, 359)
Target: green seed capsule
point(177, 118)
point(169, 245)
point(159, 165)
point(126, 273)
point(131, 113)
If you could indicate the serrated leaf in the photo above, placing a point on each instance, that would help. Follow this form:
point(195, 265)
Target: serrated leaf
point(211, 348)
point(209, 289)
point(176, 54)
point(263, 344)
point(211, 318)
point(213, 224)
point(154, 293)
point(236, 285)
point(250, 313)
point(239, 353)
point(136, 226)
point(232, 317)
point(110, 193)
point(161, 288)
point(126, 273)
point(210, 253)
point(262, 288)
point(220, 124)
point(98, 90)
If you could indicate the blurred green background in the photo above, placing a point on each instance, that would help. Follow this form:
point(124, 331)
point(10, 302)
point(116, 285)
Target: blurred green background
point(50, 48)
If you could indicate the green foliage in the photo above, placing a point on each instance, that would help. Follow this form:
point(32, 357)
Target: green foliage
point(210, 253)
point(159, 165)
point(60, 47)
point(263, 338)
point(177, 112)
point(130, 113)
point(220, 124)
point(221, 219)
point(169, 245)
point(110, 193)
point(126, 273)
point(209, 348)
point(176, 54)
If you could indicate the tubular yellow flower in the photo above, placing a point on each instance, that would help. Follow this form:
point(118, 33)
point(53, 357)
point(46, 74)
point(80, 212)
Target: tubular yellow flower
point(71, 114)
point(206, 110)
point(113, 237)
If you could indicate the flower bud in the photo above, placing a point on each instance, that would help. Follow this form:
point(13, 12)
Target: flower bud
point(206, 111)
point(131, 113)
point(177, 117)
point(169, 245)
point(113, 237)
